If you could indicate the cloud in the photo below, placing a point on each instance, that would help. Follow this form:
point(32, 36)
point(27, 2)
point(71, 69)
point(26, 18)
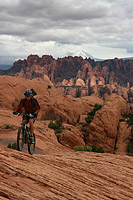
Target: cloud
point(73, 22)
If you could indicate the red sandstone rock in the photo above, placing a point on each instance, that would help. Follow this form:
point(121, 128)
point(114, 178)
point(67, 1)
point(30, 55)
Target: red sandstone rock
point(103, 129)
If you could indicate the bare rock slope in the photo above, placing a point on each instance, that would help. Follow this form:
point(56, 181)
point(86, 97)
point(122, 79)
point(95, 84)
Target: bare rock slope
point(53, 104)
point(65, 176)
point(56, 172)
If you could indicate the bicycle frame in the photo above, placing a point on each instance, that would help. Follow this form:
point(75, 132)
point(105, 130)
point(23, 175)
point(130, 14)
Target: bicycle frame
point(24, 130)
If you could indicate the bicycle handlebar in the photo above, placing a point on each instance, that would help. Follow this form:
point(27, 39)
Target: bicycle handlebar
point(28, 115)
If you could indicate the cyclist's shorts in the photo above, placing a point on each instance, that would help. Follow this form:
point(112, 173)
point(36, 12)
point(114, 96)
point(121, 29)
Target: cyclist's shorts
point(26, 118)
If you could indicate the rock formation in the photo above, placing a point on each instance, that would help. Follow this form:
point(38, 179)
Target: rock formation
point(72, 71)
point(53, 104)
point(55, 171)
point(103, 130)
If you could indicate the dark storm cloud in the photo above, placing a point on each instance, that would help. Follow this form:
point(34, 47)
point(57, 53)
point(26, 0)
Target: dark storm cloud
point(71, 21)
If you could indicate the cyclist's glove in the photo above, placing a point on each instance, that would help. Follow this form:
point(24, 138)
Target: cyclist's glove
point(35, 114)
point(15, 113)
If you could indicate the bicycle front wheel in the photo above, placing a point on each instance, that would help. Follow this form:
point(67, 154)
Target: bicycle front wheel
point(31, 145)
point(20, 138)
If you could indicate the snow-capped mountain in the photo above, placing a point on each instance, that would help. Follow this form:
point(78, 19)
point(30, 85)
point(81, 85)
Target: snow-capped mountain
point(83, 54)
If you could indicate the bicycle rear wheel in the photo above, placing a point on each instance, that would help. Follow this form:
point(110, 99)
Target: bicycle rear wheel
point(31, 145)
point(20, 138)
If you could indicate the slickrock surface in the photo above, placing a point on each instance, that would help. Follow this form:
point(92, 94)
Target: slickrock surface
point(53, 103)
point(65, 176)
point(56, 172)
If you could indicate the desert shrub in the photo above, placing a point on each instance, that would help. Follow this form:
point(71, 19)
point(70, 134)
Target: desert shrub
point(9, 145)
point(92, 148)
point(129, 149)
point(12, 146)
point(78, 119)
point(100, 150)
point(97, 107)
point(88, 148)
point(59, 123)
point(118, 126)
point(58, 131)
point(58, 136)
point(69, 129)
point(79, 148)
point(122, 120)
point(7, 126)
point(85, 124)
point(49, 86)
point(83, 129)
point(91, 114)
point(55, 125)
point(130, 118)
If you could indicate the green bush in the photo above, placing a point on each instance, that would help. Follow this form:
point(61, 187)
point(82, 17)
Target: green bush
point(130, 117)
point(79, 148)
point(118, 126)
point(83, 129)
point(58, 131)
point(69, 129)
point(58, 136)
point(59, 123)
point(78, 119)
point(129, 148)
point(92, 148)
point(49, 86)
point(12, 146)
point(100, 150)
point(9, 145)
point(55, 125)
point(122, 120)
point(88, 148)
point(85, 124)
point(7, 126)
point(91, 114)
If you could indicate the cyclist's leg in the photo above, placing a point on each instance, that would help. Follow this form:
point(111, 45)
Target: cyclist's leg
point(31, 121)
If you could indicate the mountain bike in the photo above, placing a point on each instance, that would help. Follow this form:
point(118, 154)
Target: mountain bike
point(23, 136)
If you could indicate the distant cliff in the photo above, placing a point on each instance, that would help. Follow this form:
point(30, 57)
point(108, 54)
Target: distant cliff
point(77, 76)
point(112, 71)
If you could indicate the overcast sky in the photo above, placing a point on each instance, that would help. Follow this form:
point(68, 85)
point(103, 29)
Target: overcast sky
point(102, 28)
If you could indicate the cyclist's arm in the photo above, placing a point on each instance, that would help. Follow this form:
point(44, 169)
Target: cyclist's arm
point(20, 106)
point(37, 106)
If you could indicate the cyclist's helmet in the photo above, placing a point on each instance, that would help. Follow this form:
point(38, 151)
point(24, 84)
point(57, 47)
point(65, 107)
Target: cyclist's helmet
point(28, 93)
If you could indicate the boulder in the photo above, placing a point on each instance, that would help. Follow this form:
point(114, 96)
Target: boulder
point(71, 137)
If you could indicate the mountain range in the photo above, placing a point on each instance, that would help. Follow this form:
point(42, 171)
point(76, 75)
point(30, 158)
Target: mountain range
point(112, 70)
point(83, 54)
point(6, 62)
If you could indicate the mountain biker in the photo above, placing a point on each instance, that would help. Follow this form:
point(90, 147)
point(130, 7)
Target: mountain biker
point(31, 106)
